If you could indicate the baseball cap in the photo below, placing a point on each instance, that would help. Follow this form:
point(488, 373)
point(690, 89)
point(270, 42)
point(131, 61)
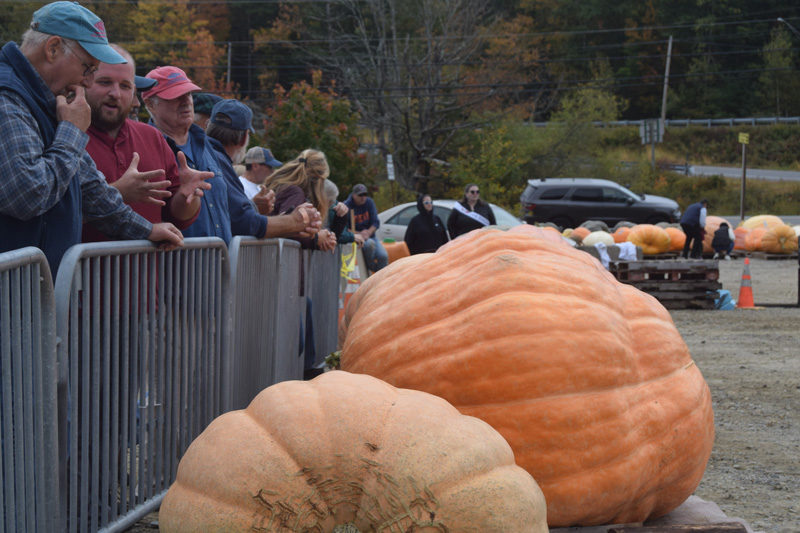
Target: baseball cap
point(204, 102)
point(359, 189)
point(172, 83)
point(232, 114)
point(258, 154)
point(73, 21)
point(142, 83)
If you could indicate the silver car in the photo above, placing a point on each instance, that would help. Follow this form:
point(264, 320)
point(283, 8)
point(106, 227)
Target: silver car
point(395, 219)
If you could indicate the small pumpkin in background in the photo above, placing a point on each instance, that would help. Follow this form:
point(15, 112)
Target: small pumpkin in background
point(621, 234)
point(612, 419)
point(578, 234)
point(779, 240)
point(350, 449)
point(712, 225)
point(598, 237)
point(396, 250)
point(766, 221)
point(652, 239)
point(677, 238)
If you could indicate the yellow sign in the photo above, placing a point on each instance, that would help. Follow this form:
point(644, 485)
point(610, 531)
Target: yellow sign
point(744, 138)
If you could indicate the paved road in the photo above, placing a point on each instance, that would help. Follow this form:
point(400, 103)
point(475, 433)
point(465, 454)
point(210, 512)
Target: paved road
point(752, 173)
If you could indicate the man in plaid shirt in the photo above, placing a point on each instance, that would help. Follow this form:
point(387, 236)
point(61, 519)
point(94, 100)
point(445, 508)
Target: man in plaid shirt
point(49, 182)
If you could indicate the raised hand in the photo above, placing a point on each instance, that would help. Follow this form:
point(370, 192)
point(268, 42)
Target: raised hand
point(136, 186)
point(74, 109)
point(264, 200)
point(192, 182)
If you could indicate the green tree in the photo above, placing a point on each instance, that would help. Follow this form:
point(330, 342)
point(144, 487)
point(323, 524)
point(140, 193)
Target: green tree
point(307, 117)
point(779, 84)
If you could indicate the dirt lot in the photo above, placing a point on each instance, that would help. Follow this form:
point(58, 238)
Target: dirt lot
point(751, 361)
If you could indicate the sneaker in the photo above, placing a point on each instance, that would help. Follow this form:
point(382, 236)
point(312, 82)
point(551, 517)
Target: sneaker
point(727, 258)
point(716, 256)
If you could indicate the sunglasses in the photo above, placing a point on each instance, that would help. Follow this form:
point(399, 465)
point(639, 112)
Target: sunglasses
point(427, 203)
point(362, 194)
point(476, 191)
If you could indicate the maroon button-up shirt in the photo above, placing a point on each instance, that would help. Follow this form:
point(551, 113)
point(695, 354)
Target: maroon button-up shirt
point(113, 156)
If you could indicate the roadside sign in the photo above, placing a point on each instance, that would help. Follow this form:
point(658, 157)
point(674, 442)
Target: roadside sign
point(744, 138)
point(389, 167)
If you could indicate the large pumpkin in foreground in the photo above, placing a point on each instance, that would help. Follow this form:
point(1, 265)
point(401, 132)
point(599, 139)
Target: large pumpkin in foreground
point(613, 418)
point(350, 449)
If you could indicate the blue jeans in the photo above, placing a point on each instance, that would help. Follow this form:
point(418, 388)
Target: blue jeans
point(375, 254)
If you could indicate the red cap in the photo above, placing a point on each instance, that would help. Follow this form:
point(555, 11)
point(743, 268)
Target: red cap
point(172, 83)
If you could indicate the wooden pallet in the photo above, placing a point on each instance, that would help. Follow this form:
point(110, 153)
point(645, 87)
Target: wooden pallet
point(665, 255)
point(676, 284)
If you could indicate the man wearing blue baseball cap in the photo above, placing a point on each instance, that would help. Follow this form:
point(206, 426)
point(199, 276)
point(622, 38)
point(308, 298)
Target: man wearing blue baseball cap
point(259, 164)
point(50, 184)
point(229, 130)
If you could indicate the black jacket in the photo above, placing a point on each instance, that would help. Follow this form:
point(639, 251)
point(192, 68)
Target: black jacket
point(458, 224)
point(425, 232)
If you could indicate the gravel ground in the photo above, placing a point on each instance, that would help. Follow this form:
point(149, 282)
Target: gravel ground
point(750, 359)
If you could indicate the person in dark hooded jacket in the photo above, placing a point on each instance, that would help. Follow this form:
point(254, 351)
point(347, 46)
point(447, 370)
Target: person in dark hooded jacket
point(425, 232)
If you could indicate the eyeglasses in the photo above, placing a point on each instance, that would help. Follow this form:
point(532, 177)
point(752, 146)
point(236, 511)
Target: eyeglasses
point(90, 69)
point(476, 191)
point(427, 202)
point(362, 194)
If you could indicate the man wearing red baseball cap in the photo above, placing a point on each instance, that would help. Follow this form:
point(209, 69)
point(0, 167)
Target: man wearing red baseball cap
point(50, 184)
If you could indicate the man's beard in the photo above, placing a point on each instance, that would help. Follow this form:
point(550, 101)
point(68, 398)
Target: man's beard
point(238, 157)
point(103, 123)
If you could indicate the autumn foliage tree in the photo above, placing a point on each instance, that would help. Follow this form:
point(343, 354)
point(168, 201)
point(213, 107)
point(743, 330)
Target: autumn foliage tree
point(307, 117)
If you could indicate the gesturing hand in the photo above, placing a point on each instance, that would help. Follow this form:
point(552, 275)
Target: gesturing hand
point(76, 109)
point(192, 182)
point(264, 200)
point(136, 186)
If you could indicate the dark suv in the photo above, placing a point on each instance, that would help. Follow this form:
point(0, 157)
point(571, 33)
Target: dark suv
point(569, 202)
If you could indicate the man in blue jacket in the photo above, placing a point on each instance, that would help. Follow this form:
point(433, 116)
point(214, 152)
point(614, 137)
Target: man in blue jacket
point(693, 223)
point(367, 223)
point(50, 184)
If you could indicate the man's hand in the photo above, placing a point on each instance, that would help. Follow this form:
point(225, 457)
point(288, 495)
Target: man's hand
point(340, 209)
point(306, 219)
point(192, 182)
point(74, 110)
point(326, 240)
point(359, 239)
point(167, 236)
point(365, 234)
point(264, 200)
point(136, 186)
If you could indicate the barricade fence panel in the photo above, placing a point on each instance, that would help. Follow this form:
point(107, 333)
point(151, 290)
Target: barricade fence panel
point(28, 416)
point(142, 355)
point(266, 315)
point(323, 272)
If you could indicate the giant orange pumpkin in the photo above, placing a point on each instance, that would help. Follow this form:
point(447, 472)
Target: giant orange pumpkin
point(612, 419)
point(761, 221)
point(652, 239)
point(752, 241)
point(677, 238)
point(779, 240)
point(741, 235)
point(350, 449)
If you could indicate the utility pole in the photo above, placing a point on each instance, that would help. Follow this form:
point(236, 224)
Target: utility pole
point(666, 84)
point(229, 64)
point(744, 139)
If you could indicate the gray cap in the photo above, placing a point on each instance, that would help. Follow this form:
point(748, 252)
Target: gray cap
point(258, 154)
point(359, 189)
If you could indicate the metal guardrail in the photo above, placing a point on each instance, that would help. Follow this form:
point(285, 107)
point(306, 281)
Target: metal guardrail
point(266, 315)
point(707, 122)
point(323, 271)
point(28, 416)
point(141, 365)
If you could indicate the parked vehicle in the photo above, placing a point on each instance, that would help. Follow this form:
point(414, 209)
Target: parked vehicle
point(568, 202)
point(395, 219)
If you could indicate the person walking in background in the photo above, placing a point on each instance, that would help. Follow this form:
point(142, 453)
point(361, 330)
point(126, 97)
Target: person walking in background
point(723, 241)
point(693, 223)
point(367, 223)
point(469, 213)
point(425, 232)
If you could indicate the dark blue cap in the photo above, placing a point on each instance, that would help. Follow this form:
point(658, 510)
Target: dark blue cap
point(142, 83)
point(232, 114)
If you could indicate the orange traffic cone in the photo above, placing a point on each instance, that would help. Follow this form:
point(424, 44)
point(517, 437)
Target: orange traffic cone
point(746, 290)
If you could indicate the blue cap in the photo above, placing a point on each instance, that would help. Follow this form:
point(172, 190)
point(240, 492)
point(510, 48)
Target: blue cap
point(232, 114)
point(73, 21)
point(204, 102)
point(142, 83)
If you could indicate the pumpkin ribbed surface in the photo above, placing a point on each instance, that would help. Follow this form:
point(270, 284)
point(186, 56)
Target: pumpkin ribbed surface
point(779, 240)
point(752, 241)
point(613, 419)
point(350, 449)
point(677, 238)
point(651, 239)
point(761, 221)
point(740, 234)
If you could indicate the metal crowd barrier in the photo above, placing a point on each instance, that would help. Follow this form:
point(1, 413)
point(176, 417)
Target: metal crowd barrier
point(142, 355)
point(322, 272)
point(28, 416)
point(266, 315)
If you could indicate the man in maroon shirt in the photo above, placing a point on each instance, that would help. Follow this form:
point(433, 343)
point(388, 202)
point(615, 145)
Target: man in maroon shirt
point(134, 157)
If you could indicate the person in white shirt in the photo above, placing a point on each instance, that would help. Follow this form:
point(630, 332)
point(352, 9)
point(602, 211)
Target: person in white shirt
point(259, 163)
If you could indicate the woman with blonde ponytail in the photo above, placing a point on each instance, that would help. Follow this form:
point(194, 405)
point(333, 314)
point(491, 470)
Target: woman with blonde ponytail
point(299, 181)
